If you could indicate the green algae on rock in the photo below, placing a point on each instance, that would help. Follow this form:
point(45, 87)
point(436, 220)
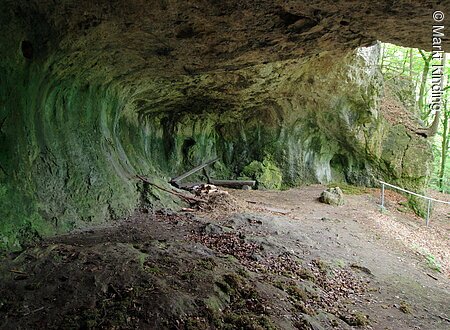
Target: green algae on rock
point(83, 109)
point(266, 174)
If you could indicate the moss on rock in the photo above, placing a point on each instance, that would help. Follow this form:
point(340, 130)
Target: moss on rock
point(72, 140)
point(266, 173)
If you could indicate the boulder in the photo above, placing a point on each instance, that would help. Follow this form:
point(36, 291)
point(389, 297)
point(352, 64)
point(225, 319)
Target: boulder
point(332, 196)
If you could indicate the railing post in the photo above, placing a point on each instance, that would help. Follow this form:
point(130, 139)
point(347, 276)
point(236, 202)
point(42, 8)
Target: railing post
point(430, 199)
point(428, 212)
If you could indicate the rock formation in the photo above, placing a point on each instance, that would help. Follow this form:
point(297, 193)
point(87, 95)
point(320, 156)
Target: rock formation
point(332, 196)
point(93, 93)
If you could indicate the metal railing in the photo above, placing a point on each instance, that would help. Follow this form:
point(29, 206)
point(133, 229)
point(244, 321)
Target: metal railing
point(430, 199)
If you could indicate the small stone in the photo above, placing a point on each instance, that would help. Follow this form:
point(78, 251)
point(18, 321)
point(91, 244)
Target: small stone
point(257, 257)
point(405, 307)
point(213, 229)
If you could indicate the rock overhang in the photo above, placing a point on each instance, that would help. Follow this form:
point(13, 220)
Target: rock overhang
point(97, 92)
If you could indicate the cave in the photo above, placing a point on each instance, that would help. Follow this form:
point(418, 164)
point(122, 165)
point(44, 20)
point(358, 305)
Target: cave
point(287, 93)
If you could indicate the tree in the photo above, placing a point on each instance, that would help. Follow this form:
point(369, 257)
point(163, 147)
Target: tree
point(433, 129)
point(423, 83)
point(411, 62)
point(444, 147)
point(415, 65)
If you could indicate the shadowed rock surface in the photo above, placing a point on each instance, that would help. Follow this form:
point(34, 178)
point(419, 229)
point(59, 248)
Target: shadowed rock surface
point(94, 93)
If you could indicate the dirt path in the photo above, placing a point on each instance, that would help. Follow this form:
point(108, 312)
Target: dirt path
point(394, 246)
point(257, 260)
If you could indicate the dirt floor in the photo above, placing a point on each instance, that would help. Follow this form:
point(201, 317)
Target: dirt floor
point(247, 260)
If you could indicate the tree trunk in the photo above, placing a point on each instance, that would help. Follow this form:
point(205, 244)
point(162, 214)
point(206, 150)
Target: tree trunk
point(411, 63)
point(405, 60)
point(423, 84)
point(435, 125)
point(445, 144)
point(382, 57)
point(433, 128)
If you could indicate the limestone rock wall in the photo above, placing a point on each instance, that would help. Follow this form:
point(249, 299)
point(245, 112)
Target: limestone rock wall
point(94, 93)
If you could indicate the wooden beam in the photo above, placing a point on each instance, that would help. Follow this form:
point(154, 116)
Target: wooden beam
point(194, 170)
point(233, 183)
point(189, 185)
point(188, 199)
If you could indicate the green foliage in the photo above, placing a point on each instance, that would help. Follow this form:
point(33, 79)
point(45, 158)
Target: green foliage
point(414, 67)
point(406, 66)
point(431, 260)
point(433, 263)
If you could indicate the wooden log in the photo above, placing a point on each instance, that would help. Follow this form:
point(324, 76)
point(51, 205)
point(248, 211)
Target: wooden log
point(188, 199)
point(233, 183)
point(190, 172)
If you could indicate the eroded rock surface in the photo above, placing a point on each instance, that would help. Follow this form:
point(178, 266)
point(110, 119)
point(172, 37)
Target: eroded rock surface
point(94, 93)
point(332, 196)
